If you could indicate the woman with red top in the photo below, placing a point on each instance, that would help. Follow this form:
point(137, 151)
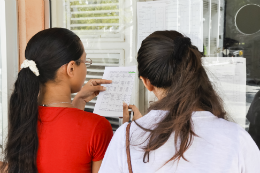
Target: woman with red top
point(47, 132)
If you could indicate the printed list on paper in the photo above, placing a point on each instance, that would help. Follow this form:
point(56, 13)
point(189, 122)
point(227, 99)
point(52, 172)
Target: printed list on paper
point(110, 102)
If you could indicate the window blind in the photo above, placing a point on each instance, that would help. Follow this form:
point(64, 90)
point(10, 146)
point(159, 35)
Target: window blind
point(94, 19)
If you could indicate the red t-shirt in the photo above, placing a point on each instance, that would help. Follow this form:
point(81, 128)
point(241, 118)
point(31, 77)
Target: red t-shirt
point(70, 139)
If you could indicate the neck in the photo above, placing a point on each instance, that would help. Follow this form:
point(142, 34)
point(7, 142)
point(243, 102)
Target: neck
point(159, 93)
point(55, 93)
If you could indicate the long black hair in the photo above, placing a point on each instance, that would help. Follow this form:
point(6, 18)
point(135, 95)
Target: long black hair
point(49, 49)
point(171, 62)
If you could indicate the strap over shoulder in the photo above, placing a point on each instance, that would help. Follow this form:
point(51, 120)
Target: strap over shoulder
point(128, 148)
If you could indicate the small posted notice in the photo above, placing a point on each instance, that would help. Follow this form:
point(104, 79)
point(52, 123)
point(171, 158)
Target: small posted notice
point(228, 75)
point(110, 102)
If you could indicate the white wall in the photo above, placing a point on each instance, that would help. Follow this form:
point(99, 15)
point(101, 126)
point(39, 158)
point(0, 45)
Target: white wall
point(2, 55)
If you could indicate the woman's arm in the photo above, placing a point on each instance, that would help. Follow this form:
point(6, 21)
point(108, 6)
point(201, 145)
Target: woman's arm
point(88, 92)
point(95, 166)
point(99, 142)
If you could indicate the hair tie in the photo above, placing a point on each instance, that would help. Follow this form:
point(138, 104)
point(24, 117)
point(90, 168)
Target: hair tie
point(182, 41)
point(181, 44)
point(32, 66)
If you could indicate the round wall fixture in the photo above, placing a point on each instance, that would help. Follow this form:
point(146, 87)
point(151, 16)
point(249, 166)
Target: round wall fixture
point(248, 19)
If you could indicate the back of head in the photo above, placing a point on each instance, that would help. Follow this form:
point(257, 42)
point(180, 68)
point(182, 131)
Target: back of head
point(52, 48)
point(49, 49)
point(172, 63)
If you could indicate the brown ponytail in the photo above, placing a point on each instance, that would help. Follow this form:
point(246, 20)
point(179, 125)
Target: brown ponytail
point(170, 61)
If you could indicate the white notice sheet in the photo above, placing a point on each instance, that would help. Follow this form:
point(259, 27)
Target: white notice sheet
point(150, 18)
point(171, 15)
point(110, 102)
point(228, 74)
point(185, 16)
point(196, 24)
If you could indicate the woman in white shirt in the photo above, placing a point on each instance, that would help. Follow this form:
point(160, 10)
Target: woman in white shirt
point(186, 130)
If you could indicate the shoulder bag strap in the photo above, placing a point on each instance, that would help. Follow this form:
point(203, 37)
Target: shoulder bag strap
point(128, 148)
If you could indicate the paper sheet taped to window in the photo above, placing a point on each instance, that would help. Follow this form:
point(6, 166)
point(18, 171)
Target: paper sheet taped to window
point(185, 16)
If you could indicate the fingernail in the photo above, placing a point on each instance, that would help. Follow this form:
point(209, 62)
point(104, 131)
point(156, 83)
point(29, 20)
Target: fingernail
point(104, 88)
point(124, 104)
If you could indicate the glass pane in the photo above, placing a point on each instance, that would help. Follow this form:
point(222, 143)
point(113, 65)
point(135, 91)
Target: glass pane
point(242, 39)
point(232, 29)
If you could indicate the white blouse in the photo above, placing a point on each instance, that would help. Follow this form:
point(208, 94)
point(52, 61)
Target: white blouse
point(222, 147)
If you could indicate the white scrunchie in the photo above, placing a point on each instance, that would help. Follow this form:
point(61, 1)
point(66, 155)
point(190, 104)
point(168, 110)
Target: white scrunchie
point(32, 65)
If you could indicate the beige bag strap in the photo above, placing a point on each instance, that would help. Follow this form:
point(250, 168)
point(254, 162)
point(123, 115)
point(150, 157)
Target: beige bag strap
point(128, 148)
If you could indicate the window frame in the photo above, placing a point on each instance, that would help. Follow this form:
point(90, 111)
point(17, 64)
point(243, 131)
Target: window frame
point(10, 61)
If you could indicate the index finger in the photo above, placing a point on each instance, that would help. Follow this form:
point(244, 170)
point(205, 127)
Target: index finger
point(102, 81)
